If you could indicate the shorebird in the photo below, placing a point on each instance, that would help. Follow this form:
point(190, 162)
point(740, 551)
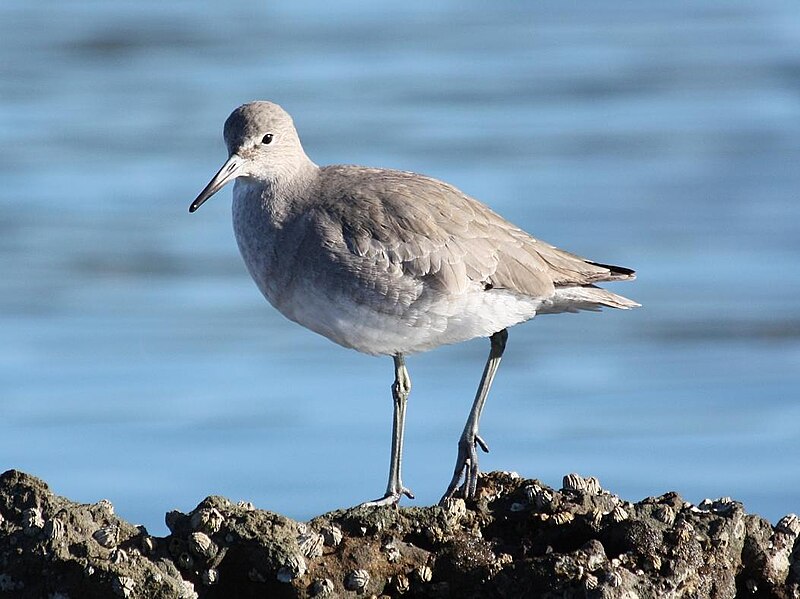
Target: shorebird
point(391, 263)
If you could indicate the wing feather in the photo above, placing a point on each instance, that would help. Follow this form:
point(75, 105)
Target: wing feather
point(403, 229)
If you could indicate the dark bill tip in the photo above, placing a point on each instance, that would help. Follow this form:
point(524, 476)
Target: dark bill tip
point(228, 172)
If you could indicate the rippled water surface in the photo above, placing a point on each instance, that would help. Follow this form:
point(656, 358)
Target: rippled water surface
point(139, 363)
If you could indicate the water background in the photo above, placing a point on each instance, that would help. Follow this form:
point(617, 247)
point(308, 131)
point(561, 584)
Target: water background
point(139, 363)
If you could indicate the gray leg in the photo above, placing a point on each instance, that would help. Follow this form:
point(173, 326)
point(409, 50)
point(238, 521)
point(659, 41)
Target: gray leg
point(467, 461)
point(400, 391)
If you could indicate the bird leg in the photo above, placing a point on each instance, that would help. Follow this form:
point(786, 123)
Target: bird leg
point(467, 460)
point(400, 391)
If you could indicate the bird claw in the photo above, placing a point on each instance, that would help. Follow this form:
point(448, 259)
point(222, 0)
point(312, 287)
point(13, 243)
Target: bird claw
point(466, 467)
point(390, 498)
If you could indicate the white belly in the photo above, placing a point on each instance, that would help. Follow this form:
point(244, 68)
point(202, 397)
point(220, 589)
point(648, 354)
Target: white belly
point(426, 324)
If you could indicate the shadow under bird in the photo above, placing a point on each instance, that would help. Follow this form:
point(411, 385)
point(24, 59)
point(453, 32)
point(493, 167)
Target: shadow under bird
point(390, 263)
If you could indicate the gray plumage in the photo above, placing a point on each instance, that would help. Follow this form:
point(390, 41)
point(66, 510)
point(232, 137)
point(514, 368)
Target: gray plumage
point(390, 262)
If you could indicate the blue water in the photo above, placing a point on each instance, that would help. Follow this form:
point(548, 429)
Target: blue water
point(139, 363)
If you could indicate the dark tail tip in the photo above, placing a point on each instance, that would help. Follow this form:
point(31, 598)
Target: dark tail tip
point(617, 272)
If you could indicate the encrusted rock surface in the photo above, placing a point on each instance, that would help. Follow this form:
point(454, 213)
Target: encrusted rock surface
point(520, 538)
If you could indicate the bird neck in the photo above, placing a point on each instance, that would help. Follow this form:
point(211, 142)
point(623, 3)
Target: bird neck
point(280, 196)
point(292, 178)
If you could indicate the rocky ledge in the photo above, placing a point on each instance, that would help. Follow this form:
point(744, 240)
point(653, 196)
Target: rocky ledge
point(520, 538)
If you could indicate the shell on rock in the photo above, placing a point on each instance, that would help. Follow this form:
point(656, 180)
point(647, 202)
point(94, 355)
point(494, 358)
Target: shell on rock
point(593, 485)
point(665, 514)
point(332, 535)
point(573, 482)
point(207, 520)
point(294, 567)
point(425, 573)
point(32, 521)
point(322, 587)
point(392, 552)
point(106, 507)
point(723, 505)
point(119, 556)
point(246, 505)
point(596, 517)
point(539, 496)
point(311, 544)
point(590, 582)
point(596, 556)
point(54, 529)
point(210, 577)
point(619, 513)
point(148, 544)
point(107, 535)
point(613, 578)
point(789, 524)
point(355, 580)
point(563, 517)
point(401, 583)
point(201, 545)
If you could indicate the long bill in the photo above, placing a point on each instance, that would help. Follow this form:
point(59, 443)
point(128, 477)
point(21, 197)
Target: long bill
point(229, 171)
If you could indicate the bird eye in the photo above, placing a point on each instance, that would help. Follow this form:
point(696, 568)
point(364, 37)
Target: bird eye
point(266, 139)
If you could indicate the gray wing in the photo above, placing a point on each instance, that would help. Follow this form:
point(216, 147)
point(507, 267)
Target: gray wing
point(394, 231)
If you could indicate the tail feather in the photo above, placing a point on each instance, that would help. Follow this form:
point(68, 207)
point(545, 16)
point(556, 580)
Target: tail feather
point(618, 273)
point(585, 297)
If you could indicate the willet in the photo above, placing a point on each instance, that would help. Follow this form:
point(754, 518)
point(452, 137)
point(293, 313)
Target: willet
point(390, 263)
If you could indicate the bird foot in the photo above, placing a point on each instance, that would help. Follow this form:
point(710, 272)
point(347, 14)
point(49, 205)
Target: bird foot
point(391, 498)
point(466, 468)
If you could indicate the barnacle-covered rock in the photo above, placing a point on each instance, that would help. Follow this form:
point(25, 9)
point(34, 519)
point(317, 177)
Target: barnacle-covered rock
point(201, 545)
point(619, 513)
point(311, 544)
point(331, 535)
point(207, 520)
point(355, 580)
point(55, 530)
point(293, 567)
point(518, 534)
point(32, 521)
point(539, 496)
point(107, 535)
point(574, 482)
